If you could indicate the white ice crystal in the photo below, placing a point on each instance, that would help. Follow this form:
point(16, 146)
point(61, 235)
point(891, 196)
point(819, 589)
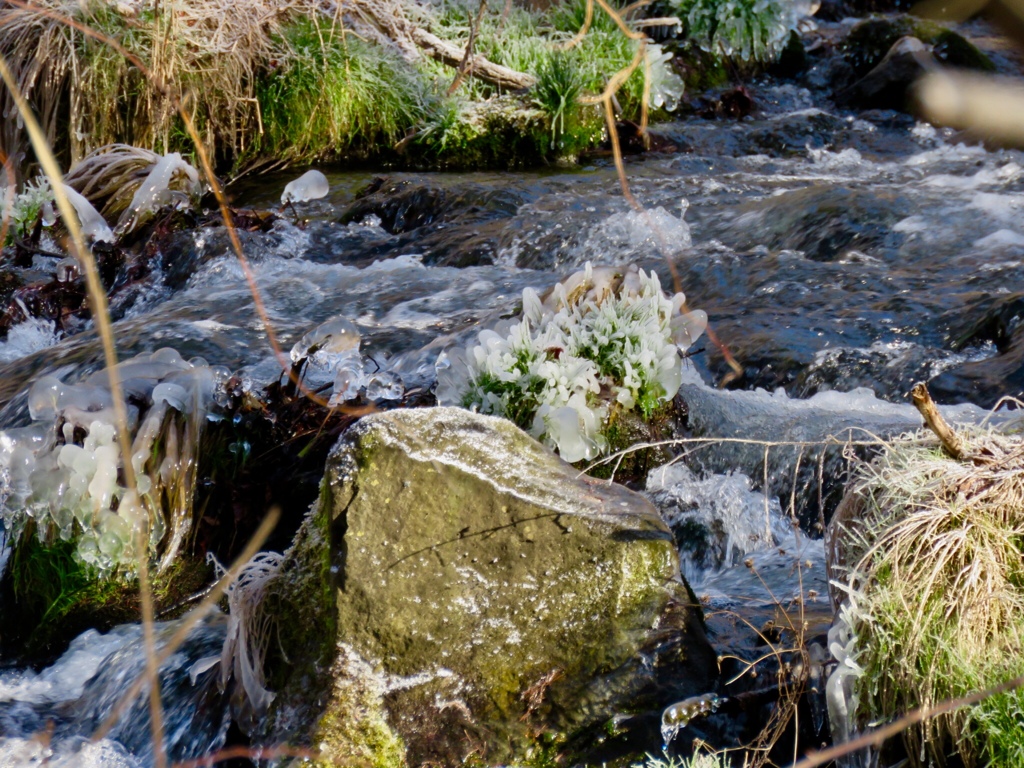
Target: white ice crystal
point(66, 472)
point(606, 338)
point(666, 86)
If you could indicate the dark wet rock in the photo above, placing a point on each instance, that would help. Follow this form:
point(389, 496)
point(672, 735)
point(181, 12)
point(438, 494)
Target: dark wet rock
point(987, 318)
point(633, 141)
point(449, 225)
point(789, 135)
point(984, 382)
point(733, 104)
point(824, 223)
point(481, 593)
point(792, 60)
point(405, 205)
point(837, 10)
point(870, 40)
point(888, 85)
point(998, 320)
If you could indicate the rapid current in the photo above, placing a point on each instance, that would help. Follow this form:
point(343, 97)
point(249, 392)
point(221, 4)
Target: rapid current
point(832, 252)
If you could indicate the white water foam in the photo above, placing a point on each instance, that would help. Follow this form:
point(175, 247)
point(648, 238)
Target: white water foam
point(25, 338)
point(66, 678)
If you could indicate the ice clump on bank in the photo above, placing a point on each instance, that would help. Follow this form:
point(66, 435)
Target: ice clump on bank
point(605, 339)
point(94, 227)
point(330, 354)
point(666, 86)
point(65, 472)
point(155, 191)
point(312, 185)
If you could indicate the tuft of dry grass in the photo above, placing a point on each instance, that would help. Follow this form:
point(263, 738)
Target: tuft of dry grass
point(936, 561)
point(205, 54)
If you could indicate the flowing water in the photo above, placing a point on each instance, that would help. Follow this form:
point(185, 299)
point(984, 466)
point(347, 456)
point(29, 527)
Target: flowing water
point(831, 251)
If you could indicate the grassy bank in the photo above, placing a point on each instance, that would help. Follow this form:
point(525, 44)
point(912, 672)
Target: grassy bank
point(282, 81)
point(934, 594)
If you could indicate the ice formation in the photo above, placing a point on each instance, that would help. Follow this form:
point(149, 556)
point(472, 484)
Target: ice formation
point(666, 86)
point(250, 627)
point(334, 336)
point(155, 191)
point(679, 715)
point(606, 338)
point(840, 689)
point(94, 227)
point(65, 473)
point(312, 185)
point(331, 355)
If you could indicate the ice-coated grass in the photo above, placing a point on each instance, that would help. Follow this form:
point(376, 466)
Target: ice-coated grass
point(749, 30)
point(602, 341)
point(938, 576)
point(26, 208)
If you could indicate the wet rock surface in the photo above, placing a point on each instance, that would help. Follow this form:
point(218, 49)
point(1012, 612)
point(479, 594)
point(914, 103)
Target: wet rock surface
point(888, 85)
point(493, 592)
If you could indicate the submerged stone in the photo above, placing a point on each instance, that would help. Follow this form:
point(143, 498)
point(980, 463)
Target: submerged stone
point(887, 86)
point(487, 591)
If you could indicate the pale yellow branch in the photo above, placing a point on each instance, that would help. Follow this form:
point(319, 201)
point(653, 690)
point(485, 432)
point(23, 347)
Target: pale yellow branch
point(101, 317)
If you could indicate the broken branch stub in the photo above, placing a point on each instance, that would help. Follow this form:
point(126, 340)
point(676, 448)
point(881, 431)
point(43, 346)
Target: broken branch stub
point(934, 421)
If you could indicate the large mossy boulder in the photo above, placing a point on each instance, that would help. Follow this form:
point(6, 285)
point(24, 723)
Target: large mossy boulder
point(870, 40)
point(461, 591)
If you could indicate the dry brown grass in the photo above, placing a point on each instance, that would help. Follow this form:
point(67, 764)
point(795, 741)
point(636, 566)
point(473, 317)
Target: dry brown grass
point(206, 55)
point(935, 562)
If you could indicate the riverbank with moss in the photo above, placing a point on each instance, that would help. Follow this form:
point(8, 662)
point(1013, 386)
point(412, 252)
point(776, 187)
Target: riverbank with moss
point(278, 82)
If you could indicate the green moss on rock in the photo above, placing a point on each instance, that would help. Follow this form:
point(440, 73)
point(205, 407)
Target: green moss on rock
point(48, 597)
point(481, 586)
point(871, 39)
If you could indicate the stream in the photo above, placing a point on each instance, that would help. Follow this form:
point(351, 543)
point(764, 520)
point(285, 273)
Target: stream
point(841, 257)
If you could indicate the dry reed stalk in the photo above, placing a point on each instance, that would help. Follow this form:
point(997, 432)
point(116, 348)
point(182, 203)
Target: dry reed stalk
point(101, 315)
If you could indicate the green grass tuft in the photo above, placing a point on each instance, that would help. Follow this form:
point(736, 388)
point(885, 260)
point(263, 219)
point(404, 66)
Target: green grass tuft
point(938, 605)
point(338, 95)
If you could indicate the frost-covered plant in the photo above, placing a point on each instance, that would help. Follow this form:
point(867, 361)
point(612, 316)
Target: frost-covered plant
point(64, 475)
point(666, 86)
point(752, 30)
point(250, 626)
point(35, 199)
point(929, 553)
point(606, 339)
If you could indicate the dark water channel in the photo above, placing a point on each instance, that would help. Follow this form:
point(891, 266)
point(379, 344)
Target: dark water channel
point(831, 250)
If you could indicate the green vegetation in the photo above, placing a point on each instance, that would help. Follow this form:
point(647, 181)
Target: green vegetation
point(337, 93)
point(48, 596)
point(749, 30)
point(26, 208)
point(283, 81)
point(937, 593)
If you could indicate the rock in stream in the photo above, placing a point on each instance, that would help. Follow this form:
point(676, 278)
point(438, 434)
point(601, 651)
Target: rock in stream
point(460, 590)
